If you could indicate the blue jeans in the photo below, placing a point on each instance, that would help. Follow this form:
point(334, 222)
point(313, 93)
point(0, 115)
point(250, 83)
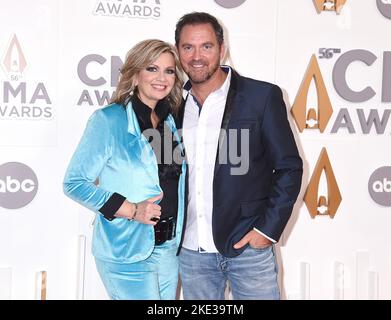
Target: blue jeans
point(252, 275)
point(155, 278)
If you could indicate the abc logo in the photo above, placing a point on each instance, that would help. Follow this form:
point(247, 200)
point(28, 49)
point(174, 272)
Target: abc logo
point(382, 186)
point(18, 185)
point(229, 4)
point(379, 186)
point(384, 7)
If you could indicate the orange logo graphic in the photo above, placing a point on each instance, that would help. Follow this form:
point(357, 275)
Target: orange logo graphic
point(14, 60)
point(321, 204)
point(315, 117)
point(329, 5)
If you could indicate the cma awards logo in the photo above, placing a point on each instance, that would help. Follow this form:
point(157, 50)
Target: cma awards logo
point(128, 8)
point(317, 117)
point(384, 7)
point(229, 4)
point(18, 185)
point(108, 69)
point(323, 204)
point(329, 5)
point(379, 186)
point(14, 60)
point(312, 119)
point(19, 99)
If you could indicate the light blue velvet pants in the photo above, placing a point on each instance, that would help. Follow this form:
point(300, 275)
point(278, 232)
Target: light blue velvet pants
point(155, 278)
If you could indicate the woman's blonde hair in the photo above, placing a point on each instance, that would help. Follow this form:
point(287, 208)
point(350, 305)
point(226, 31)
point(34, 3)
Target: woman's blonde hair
point(139, 57)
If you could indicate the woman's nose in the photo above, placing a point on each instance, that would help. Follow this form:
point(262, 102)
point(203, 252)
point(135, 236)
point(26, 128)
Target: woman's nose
point(161, 76)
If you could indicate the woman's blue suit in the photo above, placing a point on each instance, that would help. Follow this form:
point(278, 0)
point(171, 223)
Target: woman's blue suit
point(113, 156)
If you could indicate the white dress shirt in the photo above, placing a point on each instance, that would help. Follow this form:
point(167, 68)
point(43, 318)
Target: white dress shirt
point(200, 136)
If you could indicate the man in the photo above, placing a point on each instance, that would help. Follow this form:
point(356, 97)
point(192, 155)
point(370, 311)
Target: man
point(234, 214)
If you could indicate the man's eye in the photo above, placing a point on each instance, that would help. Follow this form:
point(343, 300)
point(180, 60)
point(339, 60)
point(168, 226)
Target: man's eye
point(151, 69)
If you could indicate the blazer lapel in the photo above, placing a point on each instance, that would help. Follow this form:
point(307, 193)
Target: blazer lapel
point(229, 105)
point(133, 125)
point(170, 121)
point(181, 114)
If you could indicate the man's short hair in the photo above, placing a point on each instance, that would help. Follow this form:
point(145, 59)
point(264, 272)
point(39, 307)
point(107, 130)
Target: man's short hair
point(196, 18)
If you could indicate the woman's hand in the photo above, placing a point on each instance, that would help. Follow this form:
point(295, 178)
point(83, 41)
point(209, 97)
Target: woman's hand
point(148, 212)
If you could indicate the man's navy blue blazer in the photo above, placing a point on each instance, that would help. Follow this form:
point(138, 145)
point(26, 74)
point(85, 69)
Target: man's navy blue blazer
point(263, 198)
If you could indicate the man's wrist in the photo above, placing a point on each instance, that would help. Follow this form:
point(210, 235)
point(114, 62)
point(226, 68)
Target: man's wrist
point(266, 236)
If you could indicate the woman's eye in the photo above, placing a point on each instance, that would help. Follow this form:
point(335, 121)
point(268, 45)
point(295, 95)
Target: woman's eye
point(170, 71)
point(151, 69)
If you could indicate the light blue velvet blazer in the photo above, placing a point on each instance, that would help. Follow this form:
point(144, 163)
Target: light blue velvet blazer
point(114, 156)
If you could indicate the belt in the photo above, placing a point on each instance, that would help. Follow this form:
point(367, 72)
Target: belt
point(165, 230)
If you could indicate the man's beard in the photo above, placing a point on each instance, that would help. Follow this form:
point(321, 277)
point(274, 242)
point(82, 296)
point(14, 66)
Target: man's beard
point(201, 77)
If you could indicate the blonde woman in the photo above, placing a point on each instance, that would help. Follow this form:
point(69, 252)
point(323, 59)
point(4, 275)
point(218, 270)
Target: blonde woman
point(127, 170)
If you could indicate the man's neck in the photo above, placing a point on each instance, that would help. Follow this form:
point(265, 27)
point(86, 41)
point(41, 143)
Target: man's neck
point(202, 90)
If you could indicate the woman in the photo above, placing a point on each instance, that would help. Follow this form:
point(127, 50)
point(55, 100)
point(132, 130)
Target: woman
point(117, 173)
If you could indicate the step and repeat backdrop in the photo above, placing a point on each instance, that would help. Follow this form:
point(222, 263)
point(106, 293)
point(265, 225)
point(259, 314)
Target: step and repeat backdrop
point(59, 62)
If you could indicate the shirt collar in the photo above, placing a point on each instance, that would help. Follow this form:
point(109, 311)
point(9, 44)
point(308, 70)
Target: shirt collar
point(143, 112)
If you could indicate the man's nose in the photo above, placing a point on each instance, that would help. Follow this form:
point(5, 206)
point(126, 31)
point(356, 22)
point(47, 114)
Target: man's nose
point(196, 54)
